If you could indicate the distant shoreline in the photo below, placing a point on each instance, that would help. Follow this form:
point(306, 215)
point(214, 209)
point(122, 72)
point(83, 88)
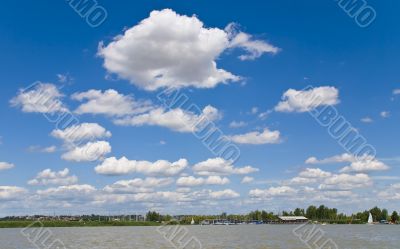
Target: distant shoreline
point(24, 224)
point(77, 224)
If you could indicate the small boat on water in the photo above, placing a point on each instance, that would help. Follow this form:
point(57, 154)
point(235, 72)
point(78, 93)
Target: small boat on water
point(370, 219)
point(192, 222)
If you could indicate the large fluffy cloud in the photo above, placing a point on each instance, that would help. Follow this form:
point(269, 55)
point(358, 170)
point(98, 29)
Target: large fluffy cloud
point(171, 50)
point(41, 98)
point(109, 102)
point(307, 100)
point(123, 166)
point(174, 119)
point(220, 166)
point(49, 177)
point(265, 137)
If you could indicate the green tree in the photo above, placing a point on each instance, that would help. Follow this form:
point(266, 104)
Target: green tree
point(384, 214)
point(299, 212)
point(311, 212)
point(376, 213)
point(394, 217)
point(153, 216)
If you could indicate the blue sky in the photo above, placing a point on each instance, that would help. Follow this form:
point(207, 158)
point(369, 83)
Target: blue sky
point(285, 44)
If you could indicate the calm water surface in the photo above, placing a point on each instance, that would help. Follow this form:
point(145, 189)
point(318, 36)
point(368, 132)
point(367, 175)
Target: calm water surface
point(245, 236)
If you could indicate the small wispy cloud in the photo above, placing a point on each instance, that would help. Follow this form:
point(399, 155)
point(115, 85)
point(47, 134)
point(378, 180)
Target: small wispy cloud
point(237, 124)
point(367, 120)
point(385, 114)
point(36, 148)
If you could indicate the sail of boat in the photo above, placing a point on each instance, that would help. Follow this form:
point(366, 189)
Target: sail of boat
point(192, 222)
point(370, 219)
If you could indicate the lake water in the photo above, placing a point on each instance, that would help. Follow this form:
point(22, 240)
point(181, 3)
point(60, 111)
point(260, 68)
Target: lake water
point(243, 236)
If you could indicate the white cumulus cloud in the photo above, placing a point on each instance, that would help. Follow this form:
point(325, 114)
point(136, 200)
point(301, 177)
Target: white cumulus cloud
point(109, 102)
point(123, 166)
point(256, 138)
point(40, 98)
point(11, 192)
point(346, 182)
point(247, 179)
point(171, 50)
point(5, 166)
point(81, 132)
point(314, 173)
point(364, 163)
point(220, 166)
point(191, 181)
point(138, 185)
point(49, 177)
point(174, 119)
point(307, 100)
point(283, 191)
point(92, 151)
point(224, 194)
point(74, 193)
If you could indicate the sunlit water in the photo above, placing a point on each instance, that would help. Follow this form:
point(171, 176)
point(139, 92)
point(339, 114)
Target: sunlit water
point(243, 236)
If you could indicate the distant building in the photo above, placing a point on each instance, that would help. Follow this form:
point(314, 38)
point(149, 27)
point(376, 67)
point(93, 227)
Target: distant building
point(292, 219)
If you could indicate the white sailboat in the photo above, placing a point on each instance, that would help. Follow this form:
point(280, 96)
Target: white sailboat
point(192, 222)
point(370, 219)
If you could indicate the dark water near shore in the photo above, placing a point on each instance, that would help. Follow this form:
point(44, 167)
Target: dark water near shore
point(243, 236)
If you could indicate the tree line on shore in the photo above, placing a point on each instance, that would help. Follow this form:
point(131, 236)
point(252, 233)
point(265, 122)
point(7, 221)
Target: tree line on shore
point(313, 213)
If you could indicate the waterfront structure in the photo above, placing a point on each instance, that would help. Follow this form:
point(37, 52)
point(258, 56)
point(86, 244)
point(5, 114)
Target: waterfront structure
point(292, 219)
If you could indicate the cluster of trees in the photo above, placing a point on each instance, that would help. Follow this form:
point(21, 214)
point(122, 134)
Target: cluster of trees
point(156, 217)
point(321, 213)
point(378, 215)
point(261, 215)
